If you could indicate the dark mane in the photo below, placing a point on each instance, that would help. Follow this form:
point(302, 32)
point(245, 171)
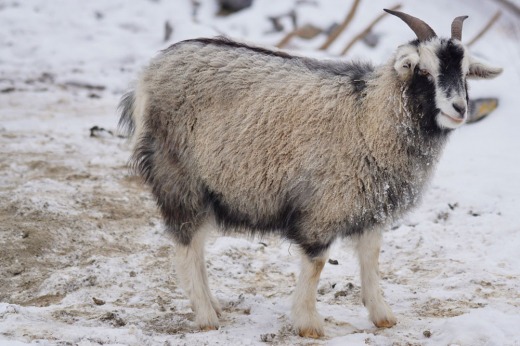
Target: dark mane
point(227, 42)
point(357, 72)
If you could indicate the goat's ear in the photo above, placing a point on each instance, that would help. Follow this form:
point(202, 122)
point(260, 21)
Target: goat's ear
point(407, 59)
point(478, 70)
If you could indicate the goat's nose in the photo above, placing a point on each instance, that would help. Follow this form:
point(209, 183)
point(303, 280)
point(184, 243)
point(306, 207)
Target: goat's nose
point(460, 107)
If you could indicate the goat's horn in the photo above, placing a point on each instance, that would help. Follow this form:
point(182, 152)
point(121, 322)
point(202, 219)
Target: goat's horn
point(423, 31)
point(456, 27)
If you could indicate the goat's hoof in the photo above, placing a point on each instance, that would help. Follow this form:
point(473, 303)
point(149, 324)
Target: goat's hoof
point(381, 315)
point(208, 328)
point(207, 321)
point(386, 323)
point(314, 333)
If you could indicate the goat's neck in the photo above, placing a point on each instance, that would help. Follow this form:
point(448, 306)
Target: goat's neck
point(395, 126)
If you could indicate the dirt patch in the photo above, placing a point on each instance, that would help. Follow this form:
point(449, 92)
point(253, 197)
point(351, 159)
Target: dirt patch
point(45, 300)
point(445, 308)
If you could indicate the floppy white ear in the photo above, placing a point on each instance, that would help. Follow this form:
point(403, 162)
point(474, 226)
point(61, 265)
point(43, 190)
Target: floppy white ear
point(479, 70)
point(407, 59)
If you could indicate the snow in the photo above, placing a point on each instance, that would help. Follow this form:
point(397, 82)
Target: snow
point(75, 225)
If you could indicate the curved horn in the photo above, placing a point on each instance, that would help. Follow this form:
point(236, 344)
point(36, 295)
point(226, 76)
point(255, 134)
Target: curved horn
point(423, 31)
point(456, 27)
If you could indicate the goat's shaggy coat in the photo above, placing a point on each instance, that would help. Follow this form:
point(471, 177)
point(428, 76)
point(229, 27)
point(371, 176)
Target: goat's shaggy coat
point(264, 141)
point(307, 148)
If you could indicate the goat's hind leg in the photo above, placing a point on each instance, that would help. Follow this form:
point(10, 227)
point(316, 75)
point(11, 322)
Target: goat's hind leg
point(191, 271)
point(307, 322)
point(368, 246)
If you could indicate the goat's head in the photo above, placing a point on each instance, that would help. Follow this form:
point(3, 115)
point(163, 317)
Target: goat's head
point(436, 70)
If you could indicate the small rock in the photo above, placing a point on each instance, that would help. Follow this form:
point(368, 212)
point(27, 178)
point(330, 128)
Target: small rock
point(427, 333)
point(16, 269)
point(333, 262)
point(114, 319)
point(133, 274)
point(268, 337)
point(100, 132)
point(340, 294)
point(98, 301)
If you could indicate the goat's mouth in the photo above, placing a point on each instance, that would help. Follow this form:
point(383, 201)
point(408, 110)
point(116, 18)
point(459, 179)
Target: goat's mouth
point(457, 120)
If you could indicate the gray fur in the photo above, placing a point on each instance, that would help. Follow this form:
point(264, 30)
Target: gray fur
point(272, 142)
point(262, 141)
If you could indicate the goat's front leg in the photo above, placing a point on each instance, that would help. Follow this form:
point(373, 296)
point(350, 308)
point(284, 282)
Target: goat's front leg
point(368, 246)
point(307, 322)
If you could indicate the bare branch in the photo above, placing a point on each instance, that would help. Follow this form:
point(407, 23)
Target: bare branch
point(510, 6)
point(337, 31)
point(488, 26)
point(367, 30)
point(287, 38)
point(307, 31)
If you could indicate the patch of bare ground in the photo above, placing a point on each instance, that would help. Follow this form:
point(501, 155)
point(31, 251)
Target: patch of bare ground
point(58, 212)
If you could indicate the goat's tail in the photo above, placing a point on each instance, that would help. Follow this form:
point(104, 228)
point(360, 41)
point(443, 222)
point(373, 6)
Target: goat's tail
point(126, 123)
point(131, 109)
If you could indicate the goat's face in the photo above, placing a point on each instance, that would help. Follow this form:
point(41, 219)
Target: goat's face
point(435, 71)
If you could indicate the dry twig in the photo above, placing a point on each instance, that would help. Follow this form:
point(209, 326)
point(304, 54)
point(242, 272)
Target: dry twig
point(510, 6)
point(307, 31)
point(287, 38)
point(367, 30)
point(337, 31)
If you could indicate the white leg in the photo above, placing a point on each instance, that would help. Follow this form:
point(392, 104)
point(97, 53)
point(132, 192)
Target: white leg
point(368, 246)
point(191, 271)
point(307, 322)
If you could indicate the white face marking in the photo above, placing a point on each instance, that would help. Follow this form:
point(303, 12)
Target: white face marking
point(448, 116)
point(428, 57)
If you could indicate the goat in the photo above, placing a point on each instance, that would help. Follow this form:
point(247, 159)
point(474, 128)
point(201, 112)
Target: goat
point(248, 138)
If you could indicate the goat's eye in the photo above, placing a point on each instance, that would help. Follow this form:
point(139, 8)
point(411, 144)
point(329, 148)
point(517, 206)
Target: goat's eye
point(424, 72)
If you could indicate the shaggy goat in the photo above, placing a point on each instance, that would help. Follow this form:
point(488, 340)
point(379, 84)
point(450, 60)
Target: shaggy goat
point(250, 138)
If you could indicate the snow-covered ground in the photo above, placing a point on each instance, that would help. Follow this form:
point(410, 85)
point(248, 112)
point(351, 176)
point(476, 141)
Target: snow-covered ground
point(83, 257)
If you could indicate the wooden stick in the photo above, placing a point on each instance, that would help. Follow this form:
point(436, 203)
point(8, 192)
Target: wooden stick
point(337, 31)
point(485, 28)
point(511, 6)
point(367, 29)
point(287, 38)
